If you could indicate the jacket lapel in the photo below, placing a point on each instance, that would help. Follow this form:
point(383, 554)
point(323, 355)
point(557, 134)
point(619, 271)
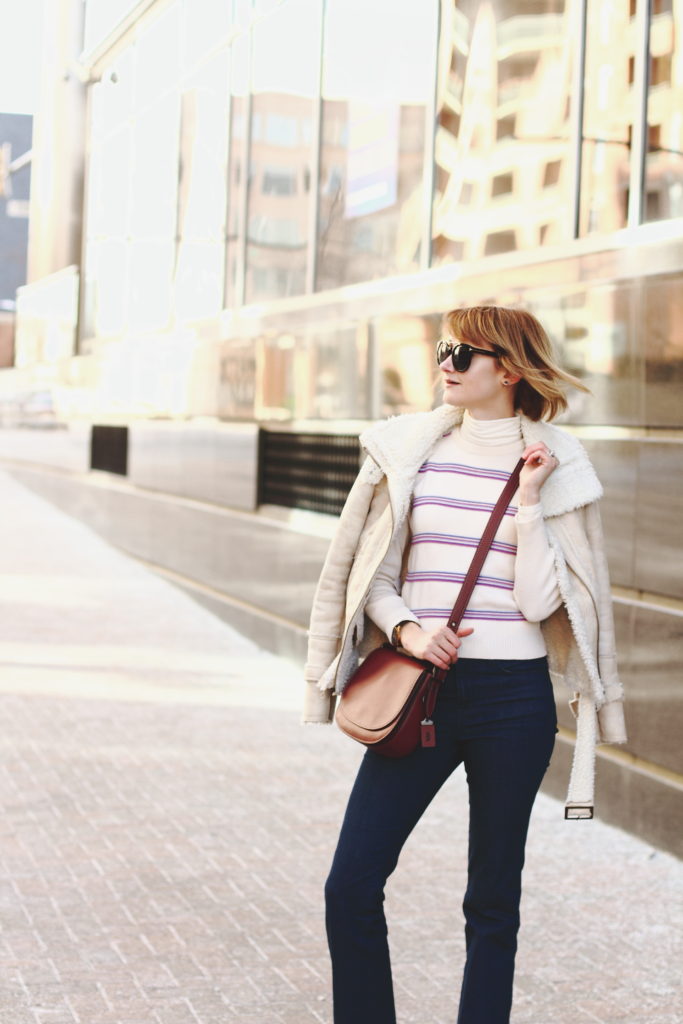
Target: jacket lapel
point(402, 444)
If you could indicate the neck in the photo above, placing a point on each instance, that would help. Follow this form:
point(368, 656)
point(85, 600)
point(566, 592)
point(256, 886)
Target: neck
point(491, 433)
point(503, 408)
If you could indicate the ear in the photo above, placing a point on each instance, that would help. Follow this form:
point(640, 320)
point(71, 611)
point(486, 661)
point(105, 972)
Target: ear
point(511, 378)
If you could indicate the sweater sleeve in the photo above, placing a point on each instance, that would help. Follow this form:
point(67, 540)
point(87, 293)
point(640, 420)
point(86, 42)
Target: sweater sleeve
point(385, 606)
point(535, 590)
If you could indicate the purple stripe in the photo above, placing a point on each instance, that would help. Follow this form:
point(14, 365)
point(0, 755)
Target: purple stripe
point(481, 614)
point(459, 469)
point(458, 577)
point(462, 542)
point(470, 506)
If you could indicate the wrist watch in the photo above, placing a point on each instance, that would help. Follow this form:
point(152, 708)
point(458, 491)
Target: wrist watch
point(396, 632)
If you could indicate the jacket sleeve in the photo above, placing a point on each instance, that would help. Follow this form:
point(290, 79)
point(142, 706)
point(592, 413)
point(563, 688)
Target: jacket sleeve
point(612, 728)
point(385, 606)
point(329, 603)
point(536, 592)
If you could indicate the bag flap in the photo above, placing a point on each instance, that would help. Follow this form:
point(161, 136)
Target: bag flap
point(378, 691)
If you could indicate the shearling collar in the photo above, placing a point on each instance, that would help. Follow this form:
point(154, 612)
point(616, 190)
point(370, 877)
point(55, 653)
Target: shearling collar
point(401, 444)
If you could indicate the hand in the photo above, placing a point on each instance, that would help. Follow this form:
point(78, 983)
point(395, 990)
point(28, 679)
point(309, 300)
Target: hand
point(439, 646)
point(539, 463)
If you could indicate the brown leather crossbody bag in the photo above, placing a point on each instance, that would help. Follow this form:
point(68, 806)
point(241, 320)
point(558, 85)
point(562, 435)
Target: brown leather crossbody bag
point(389, 700)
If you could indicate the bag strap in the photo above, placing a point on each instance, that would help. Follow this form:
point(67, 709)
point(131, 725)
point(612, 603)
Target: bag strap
point(480, 554)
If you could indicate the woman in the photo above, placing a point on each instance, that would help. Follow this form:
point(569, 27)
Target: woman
point(541, 609)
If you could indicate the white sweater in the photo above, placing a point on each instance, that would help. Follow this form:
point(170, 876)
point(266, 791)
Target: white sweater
point(454, 494)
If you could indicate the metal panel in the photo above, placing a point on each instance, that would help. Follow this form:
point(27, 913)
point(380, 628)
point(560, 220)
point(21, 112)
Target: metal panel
point(213, 462)
point(659, 556)
point(309, 471)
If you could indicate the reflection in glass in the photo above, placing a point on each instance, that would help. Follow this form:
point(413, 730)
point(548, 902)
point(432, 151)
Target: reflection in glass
point(149, 288)
point(502, 154)
point(157, 57)
point(201, 201)
point(333, 377)
point(154, 189)
point(404, 347)
point(281, 150)
point(205, 22)
point(236, 379)
point(609, 110)
point(594, 331)
point(663, 315)
point(108, 272)
point(664, 161)
point(318, 375)
point(375, 85)
point(237, 173)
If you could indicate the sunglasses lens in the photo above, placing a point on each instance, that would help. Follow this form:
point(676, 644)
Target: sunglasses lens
point(461, 355)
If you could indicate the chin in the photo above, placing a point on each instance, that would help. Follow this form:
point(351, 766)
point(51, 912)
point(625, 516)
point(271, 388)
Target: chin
point(452, 396)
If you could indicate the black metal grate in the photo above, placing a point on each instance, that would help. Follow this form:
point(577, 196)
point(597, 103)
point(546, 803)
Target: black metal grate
point(312, 471)
point(109, 448)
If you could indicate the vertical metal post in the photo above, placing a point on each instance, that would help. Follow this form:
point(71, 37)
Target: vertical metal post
point(577, 112)
point(373, 365)
point(85, 224)
point(313, 203)
point(241, 272)
point(429, 175)
point(639, 135)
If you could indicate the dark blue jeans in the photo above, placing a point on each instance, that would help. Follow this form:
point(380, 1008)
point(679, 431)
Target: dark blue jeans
point(498, 719)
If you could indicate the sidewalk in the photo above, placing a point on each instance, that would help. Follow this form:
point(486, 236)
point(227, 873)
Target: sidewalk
point(167, 826)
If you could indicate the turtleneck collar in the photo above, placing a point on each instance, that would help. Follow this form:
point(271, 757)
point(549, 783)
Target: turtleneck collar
point(501, 434)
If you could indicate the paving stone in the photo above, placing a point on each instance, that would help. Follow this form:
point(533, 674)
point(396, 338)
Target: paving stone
point(167, 826)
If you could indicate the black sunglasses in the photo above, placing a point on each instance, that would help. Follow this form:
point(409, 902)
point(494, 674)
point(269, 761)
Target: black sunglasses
point(461, 353)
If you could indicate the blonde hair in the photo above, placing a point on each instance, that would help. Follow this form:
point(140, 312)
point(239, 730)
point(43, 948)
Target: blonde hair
point(523, 349)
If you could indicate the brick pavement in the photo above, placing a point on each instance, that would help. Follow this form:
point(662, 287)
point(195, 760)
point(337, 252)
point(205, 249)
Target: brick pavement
point(167, 826)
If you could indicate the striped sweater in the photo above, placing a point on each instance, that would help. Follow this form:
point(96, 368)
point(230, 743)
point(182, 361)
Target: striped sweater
point(454, 494)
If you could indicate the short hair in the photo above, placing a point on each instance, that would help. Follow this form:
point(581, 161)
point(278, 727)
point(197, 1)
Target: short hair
point(524, 349)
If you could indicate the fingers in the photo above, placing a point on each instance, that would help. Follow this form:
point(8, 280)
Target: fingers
point(539, 454)
point(442, 649)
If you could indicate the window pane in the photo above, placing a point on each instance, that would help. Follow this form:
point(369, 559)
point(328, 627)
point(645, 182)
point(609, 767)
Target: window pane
point(204, 152)
point(405, 347)
point(157, 57)
point(149, 290)
point(283, 86)
point(199, 279)
point(664, 163)
point(608, 115)
point(595, 333)
point(376, 83)
point(502, 154)
point(202, 197)
point(333, 377)
point(204, 23)
point(155, 170)
point(663, 327)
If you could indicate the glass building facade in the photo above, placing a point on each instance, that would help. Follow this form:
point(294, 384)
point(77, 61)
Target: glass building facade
point(248, 160)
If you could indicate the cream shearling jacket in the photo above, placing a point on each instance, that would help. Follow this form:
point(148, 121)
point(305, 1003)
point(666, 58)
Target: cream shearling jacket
point(579, 635)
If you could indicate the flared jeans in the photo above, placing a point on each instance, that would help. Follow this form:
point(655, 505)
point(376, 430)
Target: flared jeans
point(497, 717)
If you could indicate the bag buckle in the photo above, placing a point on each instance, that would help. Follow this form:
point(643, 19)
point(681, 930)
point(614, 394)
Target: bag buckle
point(578, 812)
